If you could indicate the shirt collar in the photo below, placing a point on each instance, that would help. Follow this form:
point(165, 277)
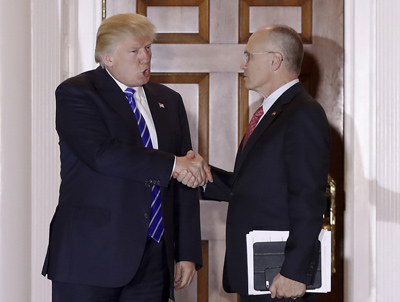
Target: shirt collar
point(123, 87)
point(271, 99)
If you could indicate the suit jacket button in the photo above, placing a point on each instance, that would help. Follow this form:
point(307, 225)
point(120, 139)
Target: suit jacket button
point(232, 194)
point(146, 215)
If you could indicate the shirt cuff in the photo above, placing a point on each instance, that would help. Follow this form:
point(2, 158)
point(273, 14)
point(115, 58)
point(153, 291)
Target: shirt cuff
point(173, 167)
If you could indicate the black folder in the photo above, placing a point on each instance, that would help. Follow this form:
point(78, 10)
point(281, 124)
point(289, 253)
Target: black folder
point(268, 260)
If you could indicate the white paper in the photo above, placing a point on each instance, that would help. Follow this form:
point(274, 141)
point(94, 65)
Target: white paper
point(278, 236)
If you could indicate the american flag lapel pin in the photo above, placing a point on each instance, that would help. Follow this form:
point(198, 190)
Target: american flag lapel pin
point(274, 113)
point(161, 105)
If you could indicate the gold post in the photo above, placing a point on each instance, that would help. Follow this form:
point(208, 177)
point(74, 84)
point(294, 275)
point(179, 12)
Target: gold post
point(103, 10)
point(330, 216)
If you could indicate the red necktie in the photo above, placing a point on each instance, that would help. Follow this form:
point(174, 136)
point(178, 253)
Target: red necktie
point(253, 124)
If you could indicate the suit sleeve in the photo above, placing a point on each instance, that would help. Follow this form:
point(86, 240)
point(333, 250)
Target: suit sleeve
point(221, 188)
point(306, 156)
point(84, 133)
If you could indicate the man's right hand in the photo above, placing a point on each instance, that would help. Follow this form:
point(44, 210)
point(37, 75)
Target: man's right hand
point(283, 287)
point(192, 170)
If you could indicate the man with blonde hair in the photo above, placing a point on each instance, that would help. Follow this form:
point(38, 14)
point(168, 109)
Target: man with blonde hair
point(121, 222)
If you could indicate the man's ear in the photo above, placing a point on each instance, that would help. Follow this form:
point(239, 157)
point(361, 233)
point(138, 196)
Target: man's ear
point(107, 59)
point(277, 60)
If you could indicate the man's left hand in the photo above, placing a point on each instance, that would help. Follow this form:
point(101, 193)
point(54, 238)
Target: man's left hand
point(283, 287)
point(184, 274)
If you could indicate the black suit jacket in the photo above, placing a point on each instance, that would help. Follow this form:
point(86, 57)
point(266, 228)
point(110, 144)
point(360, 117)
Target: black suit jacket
point(99, 230)
point(278, 183)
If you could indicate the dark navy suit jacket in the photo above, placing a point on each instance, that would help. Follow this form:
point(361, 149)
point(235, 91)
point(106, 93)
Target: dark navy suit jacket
point(278, 183)
point(99, 229)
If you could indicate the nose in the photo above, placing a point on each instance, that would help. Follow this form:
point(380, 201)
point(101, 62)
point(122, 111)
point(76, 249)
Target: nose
point(144, 55)
point(243, 65)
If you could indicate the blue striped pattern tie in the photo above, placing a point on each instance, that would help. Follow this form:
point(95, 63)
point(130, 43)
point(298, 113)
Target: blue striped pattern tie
point(156, 226)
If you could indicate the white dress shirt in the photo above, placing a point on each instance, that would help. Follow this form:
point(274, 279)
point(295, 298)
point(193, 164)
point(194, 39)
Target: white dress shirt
point(143, 106)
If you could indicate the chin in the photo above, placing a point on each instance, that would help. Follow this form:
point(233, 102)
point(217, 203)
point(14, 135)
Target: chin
point(248, 86)
point(141, 82)
point(146, 80)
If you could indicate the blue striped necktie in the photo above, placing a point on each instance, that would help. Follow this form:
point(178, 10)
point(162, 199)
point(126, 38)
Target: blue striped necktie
point(156, 226)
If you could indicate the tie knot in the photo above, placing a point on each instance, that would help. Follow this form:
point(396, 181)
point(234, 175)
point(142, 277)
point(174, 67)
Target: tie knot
point(130, 91)
point(259, 111)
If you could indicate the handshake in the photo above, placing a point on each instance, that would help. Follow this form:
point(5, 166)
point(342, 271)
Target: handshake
point(192, 170)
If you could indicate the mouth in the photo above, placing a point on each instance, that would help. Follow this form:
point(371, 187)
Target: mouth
point(146, 73)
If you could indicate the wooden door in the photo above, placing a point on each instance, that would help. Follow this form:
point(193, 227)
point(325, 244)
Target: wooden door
point(198, 53)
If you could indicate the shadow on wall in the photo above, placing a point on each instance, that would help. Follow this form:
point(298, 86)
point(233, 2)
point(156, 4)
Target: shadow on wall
point(322, 77)
point(378, 249)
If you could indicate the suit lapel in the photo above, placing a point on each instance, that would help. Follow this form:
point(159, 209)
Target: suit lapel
point(159, 115)
point(266, 121)
point(112, 94)
point(115, 97)
point(272, 114)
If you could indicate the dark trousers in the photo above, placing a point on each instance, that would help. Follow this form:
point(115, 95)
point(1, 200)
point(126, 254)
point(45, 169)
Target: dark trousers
point(267, 298)
point(150, 284)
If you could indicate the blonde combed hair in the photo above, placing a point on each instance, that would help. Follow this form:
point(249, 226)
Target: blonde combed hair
point(118, 27)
